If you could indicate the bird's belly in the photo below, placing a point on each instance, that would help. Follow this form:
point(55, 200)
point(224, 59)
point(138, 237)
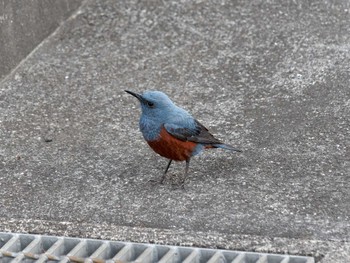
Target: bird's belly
point(169, 147)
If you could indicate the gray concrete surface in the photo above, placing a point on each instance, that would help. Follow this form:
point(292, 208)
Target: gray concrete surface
point(25, 24)
point(270, 78)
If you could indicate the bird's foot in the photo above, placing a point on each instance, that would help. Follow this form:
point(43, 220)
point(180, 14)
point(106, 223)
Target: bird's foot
point(156, 181)
point(182, 184)
point(178, 185)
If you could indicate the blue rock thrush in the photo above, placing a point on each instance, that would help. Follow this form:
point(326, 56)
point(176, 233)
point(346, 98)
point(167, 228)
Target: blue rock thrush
point(171, 131)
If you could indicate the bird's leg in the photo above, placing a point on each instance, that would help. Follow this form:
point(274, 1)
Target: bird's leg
point(166, 170)
point(186, 172)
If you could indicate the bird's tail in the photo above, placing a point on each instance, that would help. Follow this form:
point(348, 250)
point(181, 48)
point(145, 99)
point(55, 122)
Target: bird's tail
point(226, 147)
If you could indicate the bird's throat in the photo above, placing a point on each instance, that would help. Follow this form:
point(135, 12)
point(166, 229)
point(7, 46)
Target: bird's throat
point(150, 129)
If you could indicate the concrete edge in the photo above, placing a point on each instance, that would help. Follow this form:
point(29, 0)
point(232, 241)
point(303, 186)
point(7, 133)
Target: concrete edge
point(21, 62)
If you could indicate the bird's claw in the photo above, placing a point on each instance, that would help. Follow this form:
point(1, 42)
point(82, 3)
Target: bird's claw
point(155, 181)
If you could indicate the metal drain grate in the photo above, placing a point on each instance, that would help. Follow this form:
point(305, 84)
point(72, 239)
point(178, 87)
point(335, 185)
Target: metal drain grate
point(37, 248)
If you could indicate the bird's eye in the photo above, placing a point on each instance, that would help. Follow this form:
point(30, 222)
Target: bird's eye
point(150, 104)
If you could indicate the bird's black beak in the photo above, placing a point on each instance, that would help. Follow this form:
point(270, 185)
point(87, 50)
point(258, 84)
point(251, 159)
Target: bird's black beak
point(136, 95)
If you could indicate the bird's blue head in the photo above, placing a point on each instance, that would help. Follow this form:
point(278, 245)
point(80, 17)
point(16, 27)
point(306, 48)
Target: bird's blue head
point(157, 110)
point(154, 104)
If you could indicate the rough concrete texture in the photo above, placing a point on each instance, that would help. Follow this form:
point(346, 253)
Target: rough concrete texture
point(268, 77)
point(25, 24)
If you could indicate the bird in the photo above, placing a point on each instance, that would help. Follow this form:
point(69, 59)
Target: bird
point(173, 132)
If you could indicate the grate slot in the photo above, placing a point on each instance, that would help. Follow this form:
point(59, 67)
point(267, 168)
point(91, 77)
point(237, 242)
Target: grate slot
point(113, 249)
point(101, 252)
point(11, 245)
point(218, 257)
point(17, 244)
point(146, 256)
point(4, 238)
point(262, 259)
point(171, 256)
point(205, 255)
point(184, 253)
point(160, 252)
point(239, 259)
point(230, 256)
point(14, 248)
point(285, 260)
point(52, 252)
point(277, 259)
point(125, 254)
point(58, 251)
point(138, 250)
point(193, 257)
point(79, 249)
point(47, 243)
point(251, 258)
point(32, 251)
point(65, 247)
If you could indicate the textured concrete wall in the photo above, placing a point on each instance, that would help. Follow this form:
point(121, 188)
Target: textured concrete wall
point(24, 24)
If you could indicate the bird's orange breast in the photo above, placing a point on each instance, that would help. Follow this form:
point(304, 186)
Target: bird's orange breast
point(172, 148)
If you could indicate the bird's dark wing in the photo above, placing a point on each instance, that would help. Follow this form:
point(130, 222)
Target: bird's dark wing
point(198, 133)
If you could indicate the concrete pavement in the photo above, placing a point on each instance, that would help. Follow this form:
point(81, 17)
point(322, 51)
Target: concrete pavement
point(270, 78)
